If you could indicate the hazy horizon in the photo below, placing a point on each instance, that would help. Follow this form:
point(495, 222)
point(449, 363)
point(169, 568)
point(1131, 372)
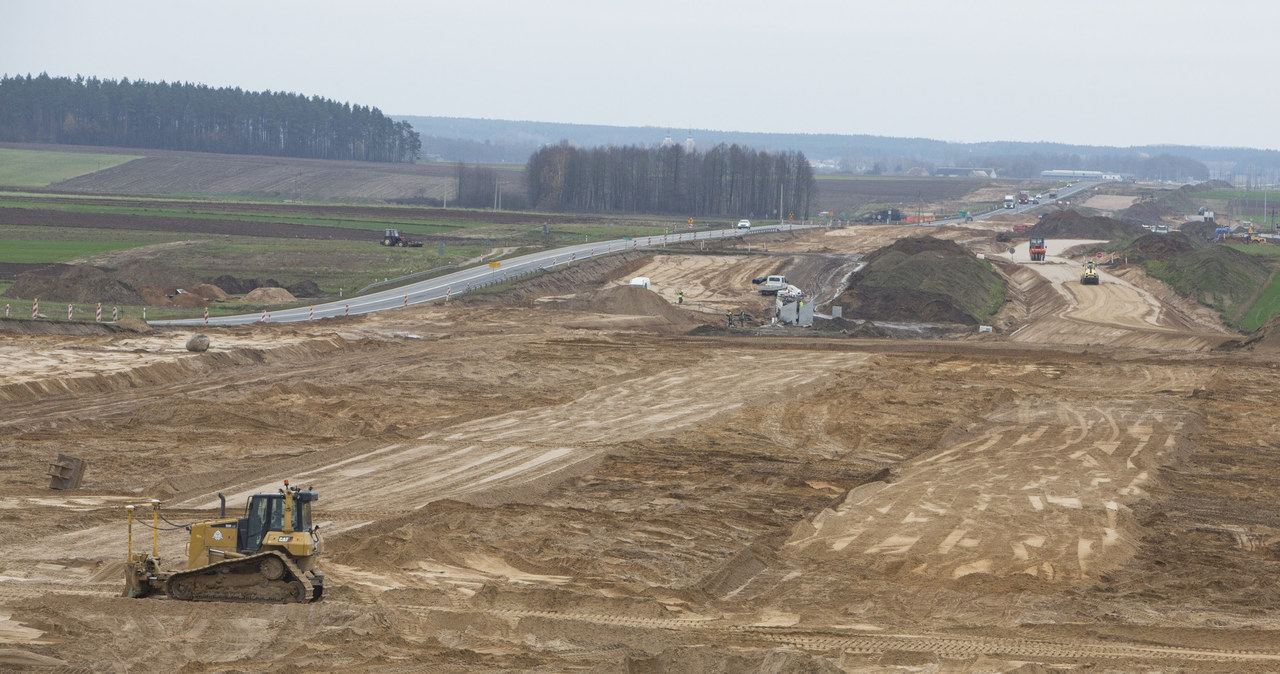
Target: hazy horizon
point(1142, 72)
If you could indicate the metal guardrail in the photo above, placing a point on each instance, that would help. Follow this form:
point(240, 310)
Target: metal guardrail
point(416, 274)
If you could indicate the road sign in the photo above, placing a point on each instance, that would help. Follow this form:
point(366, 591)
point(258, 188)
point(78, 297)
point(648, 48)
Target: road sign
point(495, 265)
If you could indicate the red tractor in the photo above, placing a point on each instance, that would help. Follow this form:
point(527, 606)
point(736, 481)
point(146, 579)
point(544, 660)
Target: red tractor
point(392, 238)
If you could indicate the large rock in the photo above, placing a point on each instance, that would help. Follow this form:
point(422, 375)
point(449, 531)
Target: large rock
point(198, 342)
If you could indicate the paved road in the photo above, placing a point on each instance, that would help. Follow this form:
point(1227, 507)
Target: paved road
point(1063, 195)
point(460, 282)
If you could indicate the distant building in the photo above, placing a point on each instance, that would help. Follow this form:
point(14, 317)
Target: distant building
point(688, 143)
point(964, 172)
point(1085, 175)
point(1067, 173)
point(667, 142)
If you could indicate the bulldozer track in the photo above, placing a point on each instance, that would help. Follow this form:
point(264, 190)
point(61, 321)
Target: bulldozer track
point(178, 583)
point(950, 646)
point(960, 646)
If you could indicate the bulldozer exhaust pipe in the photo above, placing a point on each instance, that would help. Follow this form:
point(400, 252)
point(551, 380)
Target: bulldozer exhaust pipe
point(222, 498)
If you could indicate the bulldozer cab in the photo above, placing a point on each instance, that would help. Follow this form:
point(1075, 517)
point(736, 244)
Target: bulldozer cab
point(265, 513)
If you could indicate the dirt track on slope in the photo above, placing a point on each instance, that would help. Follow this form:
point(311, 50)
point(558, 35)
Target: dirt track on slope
point(546, 484)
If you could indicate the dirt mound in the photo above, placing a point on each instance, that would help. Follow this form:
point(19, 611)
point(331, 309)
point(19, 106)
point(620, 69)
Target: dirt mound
point(906, 306)
point(1145, 213)
point(628, 301)
point(1073, 225)
point(270, 296)
point(926, 280)
point(189, 300)
point(241, 286)
point(26, 326)
point(1200, 231)
point(305, 289)
point(72, 283)
point(209, 292)
point(133, 324)
point(1159, 246)
point(146, 273)
point(1216, 276)
point(1265, 338)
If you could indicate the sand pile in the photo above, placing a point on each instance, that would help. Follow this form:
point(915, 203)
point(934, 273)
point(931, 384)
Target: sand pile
point(209, 292)
point(242, 286)
point(629, 301)
point(270, 296)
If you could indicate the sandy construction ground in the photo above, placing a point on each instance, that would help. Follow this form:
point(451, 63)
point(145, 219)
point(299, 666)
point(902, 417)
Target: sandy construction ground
point(566, 478)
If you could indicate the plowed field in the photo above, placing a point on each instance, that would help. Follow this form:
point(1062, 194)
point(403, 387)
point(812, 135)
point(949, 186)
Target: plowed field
point(562, 478)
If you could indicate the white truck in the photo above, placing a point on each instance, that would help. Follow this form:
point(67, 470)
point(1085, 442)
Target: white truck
point(1009, 201)
point(772, 284)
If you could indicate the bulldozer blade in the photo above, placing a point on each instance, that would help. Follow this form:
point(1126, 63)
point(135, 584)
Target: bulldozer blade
point(136, 585)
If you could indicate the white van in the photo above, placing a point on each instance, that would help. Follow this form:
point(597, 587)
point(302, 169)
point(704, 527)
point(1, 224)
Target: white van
point(744, 224)
point(642, 281)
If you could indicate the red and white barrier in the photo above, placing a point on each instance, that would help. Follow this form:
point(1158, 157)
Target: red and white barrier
point(264, 316)
point(347, 311)
point(406, 299)
point(115, 314)
point(35, 308)
point(311, 315)
point(70, 310)
point(593, 252)
point(97, 313)
point(446, 293)
point(206, 315)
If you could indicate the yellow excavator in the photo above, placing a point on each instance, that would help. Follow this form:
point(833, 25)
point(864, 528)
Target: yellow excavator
point(269, 555)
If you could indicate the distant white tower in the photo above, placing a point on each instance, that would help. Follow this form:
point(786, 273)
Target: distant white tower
point(667, 142)
point(688, 142)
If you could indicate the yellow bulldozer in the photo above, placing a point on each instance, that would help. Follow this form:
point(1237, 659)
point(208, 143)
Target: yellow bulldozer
point(269, 555)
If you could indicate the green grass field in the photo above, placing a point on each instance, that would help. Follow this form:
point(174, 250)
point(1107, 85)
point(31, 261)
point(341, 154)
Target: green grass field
point(35, 168)
point(29, 251)
point(1263, 310)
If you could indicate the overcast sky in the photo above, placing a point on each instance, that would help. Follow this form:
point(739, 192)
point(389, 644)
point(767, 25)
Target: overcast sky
point(1105, 72)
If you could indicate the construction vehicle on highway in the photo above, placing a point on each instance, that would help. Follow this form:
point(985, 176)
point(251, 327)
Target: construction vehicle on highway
point(269, 555)
point(1089, 276)
point(1024, 197)
point(1037, 249)
point(392, 237)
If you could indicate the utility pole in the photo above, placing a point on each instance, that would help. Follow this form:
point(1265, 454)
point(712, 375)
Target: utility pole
point(780, 211)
